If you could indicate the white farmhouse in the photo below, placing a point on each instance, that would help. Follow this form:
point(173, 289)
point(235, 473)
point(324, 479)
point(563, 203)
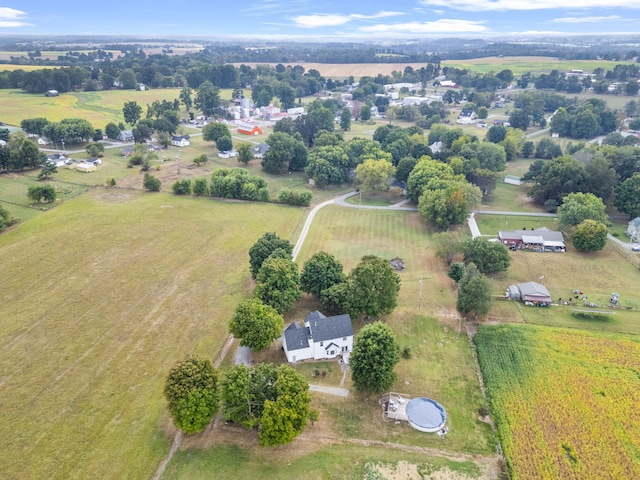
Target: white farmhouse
point(321, 338)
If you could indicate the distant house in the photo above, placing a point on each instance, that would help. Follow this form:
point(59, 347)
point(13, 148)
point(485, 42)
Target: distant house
point(541, 239)
point(466, 117)
point(529, 292)
point(633, 230)
point(52, 93)
point(228, 154)
point(126, 151)
point(447, 84)
point(503, 123)
point(320, 338)
point(249, 129)
point(180, 140)
point(125, 136)
point(57, 159)
point(259, 151)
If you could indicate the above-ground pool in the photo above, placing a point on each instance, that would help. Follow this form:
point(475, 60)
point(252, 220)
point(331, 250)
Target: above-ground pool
point(426, 415)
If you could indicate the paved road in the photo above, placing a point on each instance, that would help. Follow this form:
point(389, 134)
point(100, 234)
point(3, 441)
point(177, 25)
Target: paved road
point(473, 226)
point(625, 245)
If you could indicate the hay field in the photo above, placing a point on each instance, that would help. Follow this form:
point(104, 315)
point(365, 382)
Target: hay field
point(26, 68)
point(99, 108)
point(518, 65)
point(101, 296)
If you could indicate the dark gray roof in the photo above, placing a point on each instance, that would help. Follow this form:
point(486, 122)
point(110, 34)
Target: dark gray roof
point(328, 328)
point(316, 314)
point(296, 337)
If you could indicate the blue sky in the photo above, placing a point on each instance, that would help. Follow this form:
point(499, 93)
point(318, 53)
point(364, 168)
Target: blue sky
point(373, 19)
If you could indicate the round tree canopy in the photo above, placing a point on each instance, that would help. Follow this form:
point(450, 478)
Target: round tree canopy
point(426, 415)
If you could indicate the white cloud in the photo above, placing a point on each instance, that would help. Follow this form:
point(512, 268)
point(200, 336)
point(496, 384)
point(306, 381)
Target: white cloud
point(610, 18)
point(11, 18)
point(333, 20)
point(439, 26)
point(313, 21)
point(504, 5)
point(381, 14)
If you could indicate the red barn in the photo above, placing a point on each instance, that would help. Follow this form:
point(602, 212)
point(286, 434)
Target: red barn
point(249, 129)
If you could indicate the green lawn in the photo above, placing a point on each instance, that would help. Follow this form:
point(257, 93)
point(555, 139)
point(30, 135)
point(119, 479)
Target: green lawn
point(101, 296)
point(441, 366)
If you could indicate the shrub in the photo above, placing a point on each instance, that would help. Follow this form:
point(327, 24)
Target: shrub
point(182, 187)
point(151, 183)
point(295, 197)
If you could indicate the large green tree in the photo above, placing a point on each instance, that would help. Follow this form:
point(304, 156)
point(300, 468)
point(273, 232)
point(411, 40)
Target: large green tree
point(373, 287)
point(474, 293)
point(449, 203)
point(489, 257)
point(277, 282)
point(590, 236)
point(42, 193)
point(286, 152)
point(132, 112)
point(374, 175)
point(577, 207)
point(375, 354)
point(207, 98)
point(425, 170)
point(214, 131)
point(627, 198)
point(256, 324)
point(263, 248)
point(191, 389)
point(275, 400)
point(245, 152)
point(321, 271)
point(186, 98)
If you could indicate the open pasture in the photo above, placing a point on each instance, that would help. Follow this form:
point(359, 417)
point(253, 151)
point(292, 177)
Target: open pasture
point(99, 108)
point(564, 401)
point(100, 297)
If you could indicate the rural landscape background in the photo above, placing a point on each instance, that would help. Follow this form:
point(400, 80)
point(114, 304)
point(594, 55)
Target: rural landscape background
point(108, 286)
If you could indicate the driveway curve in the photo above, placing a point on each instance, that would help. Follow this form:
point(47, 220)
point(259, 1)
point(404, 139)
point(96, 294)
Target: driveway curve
point(341, 200)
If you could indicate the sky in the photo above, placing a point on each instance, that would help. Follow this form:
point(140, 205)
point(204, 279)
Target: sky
point(318, 19)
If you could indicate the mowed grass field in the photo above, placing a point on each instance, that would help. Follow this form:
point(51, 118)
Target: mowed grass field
point(441, 366)
point(564, 401)
point(101, 296)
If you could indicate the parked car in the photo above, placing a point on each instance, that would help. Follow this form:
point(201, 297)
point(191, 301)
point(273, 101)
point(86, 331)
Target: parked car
point(636, 248)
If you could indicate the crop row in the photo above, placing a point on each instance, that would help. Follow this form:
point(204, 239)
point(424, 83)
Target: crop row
point(564, 401)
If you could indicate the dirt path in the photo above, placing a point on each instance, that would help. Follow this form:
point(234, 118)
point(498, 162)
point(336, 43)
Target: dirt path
point(177, 441)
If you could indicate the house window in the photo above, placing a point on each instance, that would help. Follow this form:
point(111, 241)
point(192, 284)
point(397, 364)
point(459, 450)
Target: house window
point(332, 352)
point(344, 339)
point(321, 344)
point(345, 348)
